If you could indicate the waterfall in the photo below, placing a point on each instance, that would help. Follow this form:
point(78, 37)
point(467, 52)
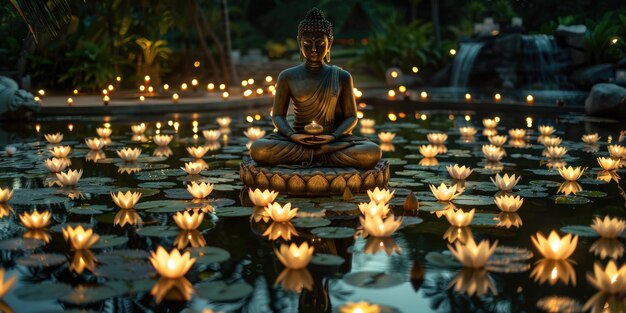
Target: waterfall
point(464, 61)
point(541, 63)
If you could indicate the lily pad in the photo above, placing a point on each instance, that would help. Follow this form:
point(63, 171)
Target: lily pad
point(42, 260)
point(333, 232)
point(84, 295)
point(20, 244)
point(233, 211)
point(473, 200)
point(580, 230)
point(129, 271)
point(108, 241)
point(591, 194)
point(160, 231)
point(571, 200)
point(221, 291)
point(374, 280)
point(310, 222)
point(161, 206)
point(42, 291)
point(208, 255)
point(324, 259)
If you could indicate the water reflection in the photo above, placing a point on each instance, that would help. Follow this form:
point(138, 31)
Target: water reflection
point(553, 271)
point(179, 289)
point(472, 281)
point(295, 279)
point(605, 247)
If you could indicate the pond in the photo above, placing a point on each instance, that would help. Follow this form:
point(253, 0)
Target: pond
point(236, 269)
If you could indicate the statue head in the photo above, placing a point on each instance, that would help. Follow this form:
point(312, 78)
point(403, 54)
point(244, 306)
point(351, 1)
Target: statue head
point(315, 36)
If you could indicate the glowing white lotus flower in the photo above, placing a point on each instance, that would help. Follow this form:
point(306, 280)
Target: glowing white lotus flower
point(94, 144)
point(280, 213)
point(610, 279)
point(551, 141)
point(459, 218)
point(193, 168)
point(54, 138)
point(162, 140)
point(445, 193)
point(200, 190)
point(507, 203)
point(490, 123)
point(171, 265)
point(617, 151)
point(128, 154)
point(517, 133)
point(386, 137)
point(367, 122)
point(591, 139)
point(138, 129)
point(459, 172)
point(104, 132)
point(570, 173)
point(375, 226)
point(472, 255)
point(429, 151)
point(555, 247)
point(546, 130)
point(80, 238)
point(223, 121)
point(254, 133)
point(126, 200)
point(261, 198)
point(295, 257)
point(373, 208)
point(69, 178)
point(608, 227)
point(186, 221)
point(609, 164)
point(493, 153)
point(35, 220)
point(61, 151)
point(437, 138)
point(467, 131)
point(211, 135)
point(498, 140)
point(197, 152)
point(359, 307)
point(506, 182)
point(5, 286)
point(555, 152)
point(380, 195)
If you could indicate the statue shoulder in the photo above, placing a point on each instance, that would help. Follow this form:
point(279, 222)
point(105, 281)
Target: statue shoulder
point(344, 76)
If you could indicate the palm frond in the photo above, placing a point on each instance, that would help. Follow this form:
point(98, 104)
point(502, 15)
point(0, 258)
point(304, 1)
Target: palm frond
point(43, 15)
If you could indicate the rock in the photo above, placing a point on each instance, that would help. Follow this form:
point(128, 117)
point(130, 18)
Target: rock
point(607, 100)
point(14, 100)
point(572, 35)
point(509, 44)
point(578, 56)
point(595, 74)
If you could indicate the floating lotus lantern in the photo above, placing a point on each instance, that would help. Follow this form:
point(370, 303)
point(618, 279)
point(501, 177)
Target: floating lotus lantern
point(35, 220)
point(569, 187)
point(459, 218)
point(591, 139)
point(609, 227)
point(94, 144)
point(193, 168)
point(445, 193)
point(295, 280)
point(186, 221)
point(211, 135)
point(375, 226)
point(5, 194)
point(553, 271)
point(517, 133)
point(280, 213)
point(472, 255)
point(467, 131)
point(197, 152)
point(171, 265)
point(80, 238)
point(437, 138)
point(69, 178)
point(546, 130)
point(359, 307)
point(61, 151)
point(498, 140)
point(200, 190)
point(505, 182)
point(508, 220)
point(367, 122)
point(428, 151)
point(617, 151)
point(610, 279)
point(138, 129)
point(490, 123)
point(373, 208)
point(570, 173)
point(493, 153)
point(555, 152)
point(254, 133)
point(5, 286)
point(104, 132)
point(261, 198)
point(555, 247)
point(294, 256)
point(379, 196)
point(128, 154)
point(126, 200)
point(54, 138)
point(507, 203)
point(280, 230)
point(386, 137)
point(609, 164)
point(604, 247)
point(462, 234)
point(224, 121)
point(459, 172)
point(162, 140)
point(127, 216)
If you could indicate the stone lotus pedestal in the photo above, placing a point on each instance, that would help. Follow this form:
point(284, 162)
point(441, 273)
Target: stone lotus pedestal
point(313, 181)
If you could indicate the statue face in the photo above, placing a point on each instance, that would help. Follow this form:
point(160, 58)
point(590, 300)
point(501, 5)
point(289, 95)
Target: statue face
point(314, 46)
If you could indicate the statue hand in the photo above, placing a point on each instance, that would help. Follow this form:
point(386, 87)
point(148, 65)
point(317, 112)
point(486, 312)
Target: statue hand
point(311, 140)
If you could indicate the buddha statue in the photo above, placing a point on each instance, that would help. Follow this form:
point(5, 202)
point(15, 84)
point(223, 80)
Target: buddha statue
point(324, 109)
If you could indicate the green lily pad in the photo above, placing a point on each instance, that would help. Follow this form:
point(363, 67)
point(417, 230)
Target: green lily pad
point(21, 244)
point(42, 260)
point(333, 232)
point(160, 231)
point(90, 209)
point(473, 200)
point(442, 260)
point(208, 255)
point(580, 230)
point(571, 200)
point(324, 259)
point(84, 295)
point(108, 241)
point(233, 211)
point(42, 291)
point(591, 194)
point(130, 271)
point(374, 280)
point(59, 227)
point(157, 184)
point(221, 291)
point(485, 219)
point(310, 222)
point(161, 206)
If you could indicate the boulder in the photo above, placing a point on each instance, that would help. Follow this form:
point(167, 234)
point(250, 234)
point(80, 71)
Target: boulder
point(607, 100)
point(571, 35)
point(15, 101)
point(588, 76)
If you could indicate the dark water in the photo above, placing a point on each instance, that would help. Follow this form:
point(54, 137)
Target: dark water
point(407, 280)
